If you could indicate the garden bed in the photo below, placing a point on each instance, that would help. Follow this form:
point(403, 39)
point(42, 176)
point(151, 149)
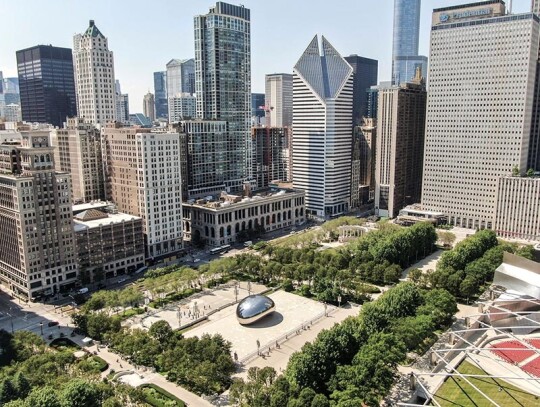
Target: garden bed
point(157, 397)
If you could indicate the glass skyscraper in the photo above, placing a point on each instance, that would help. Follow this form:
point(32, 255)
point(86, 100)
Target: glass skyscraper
point(160, 91)
point(46, 84)
point(405, 58)
point(365, 75)
point(223, 83)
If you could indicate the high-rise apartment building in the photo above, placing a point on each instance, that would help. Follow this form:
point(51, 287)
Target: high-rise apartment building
point(142, 171)
point(77, 151)
point(160, 91)
point(535, 6)
point(270, 155)
point(401, 124)
point(37, 254)
point(182, 107)
point(94, 76)
point(278, 99)
point(12, 113)
point(122, 104)
point(46, 84)
point(180, 76)
point(322, 139)
point(365, 75)
point(405, 58)
point(363, 163)
point(481, 112)
point(149, 106)
point(223, 82)
point(257, 109)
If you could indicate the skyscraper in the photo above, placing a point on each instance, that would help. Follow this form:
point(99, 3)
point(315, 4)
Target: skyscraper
point(94, 76)
point(41, 258)
point(322, 116)
point(160, 91)
point(223, 82)
point(365, 75)
point(46, 84)
point(405, 58)
point(270, 155)
point(122, 104)
point(482, 120)
point(257, 109)
point(400, 146)
point(180, 76)
point(182, 107)
point(278, 99)
point(535, 6)
point(77, 151)
point(148, 106)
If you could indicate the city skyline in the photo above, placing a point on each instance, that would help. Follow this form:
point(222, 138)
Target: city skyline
point(361, 21)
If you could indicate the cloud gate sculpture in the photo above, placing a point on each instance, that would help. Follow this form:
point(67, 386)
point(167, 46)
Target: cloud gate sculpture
point(253, 308)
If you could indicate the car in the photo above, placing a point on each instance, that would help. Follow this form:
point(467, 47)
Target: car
point(196, 260)
point(53, 323)
point(122, 280)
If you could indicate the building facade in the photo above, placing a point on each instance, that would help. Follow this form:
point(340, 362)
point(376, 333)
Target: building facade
point(12, 113)
point(405, 58)
point(94, 76)
point(400, 146)
point(142, 171)
point(271, 153)
point(223, 221)
point(477, 134)
point(535, 6)
point(108, 244)
point(78, 152)
point(278, 98)
point(180, 76)
point(365, 76)
point(257, 109)
point(37, 255)
point(122, 107)
point(183, 106)
point(149, 106)
point(322, 138)
point(518, 206)
point(363, 163)
point(223, 82)
point(46, 84)
point(160, 90)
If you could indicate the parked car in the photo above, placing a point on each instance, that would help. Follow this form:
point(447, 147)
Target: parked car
point(122, 280)
point(53, 323)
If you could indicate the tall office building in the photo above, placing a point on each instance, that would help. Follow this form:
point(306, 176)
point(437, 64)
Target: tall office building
point(183, 106)
point(94, 76)
point(37, 255)
point(77, 151)
point(535, 6)
point(270, 155)
point(12, 113)
point(365, 75)
point(363, 163)
point(142, 171)
point(257, 109)
point(1, 82)
point(160, 91)
point(278, 99)
point(405, 58)
point(322, 116)
point(180, 76)
point(122, 107)
point(11, 91)
point(149, 106)
point(482, 112)
point(401, 124)
point(46, 84)
point(223, 82)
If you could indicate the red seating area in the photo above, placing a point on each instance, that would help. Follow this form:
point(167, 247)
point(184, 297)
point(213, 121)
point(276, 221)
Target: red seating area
point(534, 342)
point(514, 351)
point(533, 367)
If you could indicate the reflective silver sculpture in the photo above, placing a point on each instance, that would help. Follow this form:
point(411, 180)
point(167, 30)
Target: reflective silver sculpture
point(253, 308)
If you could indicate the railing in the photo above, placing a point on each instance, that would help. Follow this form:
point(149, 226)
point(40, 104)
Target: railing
point(273, 344)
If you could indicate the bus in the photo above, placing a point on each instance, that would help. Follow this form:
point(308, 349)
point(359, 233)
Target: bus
point(221, 249)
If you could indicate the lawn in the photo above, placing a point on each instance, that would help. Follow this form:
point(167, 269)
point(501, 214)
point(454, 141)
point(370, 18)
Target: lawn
point(157, 397)
point(456, 392)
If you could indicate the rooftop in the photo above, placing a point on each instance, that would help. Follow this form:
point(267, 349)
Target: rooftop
point(106, 220)
point(91, 205)
point(227, 200)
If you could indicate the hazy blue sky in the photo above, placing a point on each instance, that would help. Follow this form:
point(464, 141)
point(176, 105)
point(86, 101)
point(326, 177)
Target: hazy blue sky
point(145, 35)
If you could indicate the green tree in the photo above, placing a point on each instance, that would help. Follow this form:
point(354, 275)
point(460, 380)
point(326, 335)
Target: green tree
point(7, 391)
point(515, 171)
point(21, 385)
point(447, 238)
point(160, 331)
point(320, 400)
point(468, 287)
point(530, 172)
point(415, 275)
point(80, 393)
point(43, 397)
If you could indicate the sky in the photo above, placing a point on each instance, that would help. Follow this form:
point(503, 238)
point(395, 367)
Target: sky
point(145, 35)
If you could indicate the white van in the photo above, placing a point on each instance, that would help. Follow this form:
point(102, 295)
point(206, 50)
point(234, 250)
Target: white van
point(83, 290)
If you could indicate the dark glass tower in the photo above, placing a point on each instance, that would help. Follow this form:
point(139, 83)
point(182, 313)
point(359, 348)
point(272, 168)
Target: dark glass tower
point(47, 84)
point(365, 76)
point(160, 91)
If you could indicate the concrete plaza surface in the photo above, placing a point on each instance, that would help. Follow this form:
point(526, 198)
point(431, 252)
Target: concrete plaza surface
point(292, 311)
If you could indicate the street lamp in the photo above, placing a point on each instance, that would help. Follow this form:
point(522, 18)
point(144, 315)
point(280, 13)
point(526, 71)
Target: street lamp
point(41, 327)
point(339, 301)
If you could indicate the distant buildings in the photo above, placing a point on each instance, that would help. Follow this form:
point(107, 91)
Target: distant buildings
point(94, 76)
point(38, 256)
point(365, 75)
point(363, 163)
point(279, 99)
point(143, 179)
point(78, 152)
point(478, 134)
point(400, 146)
point(257, 109)
point(405, 58)
point(180, 76)
point(271, 151)
point(535, 6)
point(108, 243)
point(182, 107)
point(122, 104)
point(160, 91)
point(12, 113)
point(322, 117)
point(149, 106)
point(223, 84)
point(46, 83)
